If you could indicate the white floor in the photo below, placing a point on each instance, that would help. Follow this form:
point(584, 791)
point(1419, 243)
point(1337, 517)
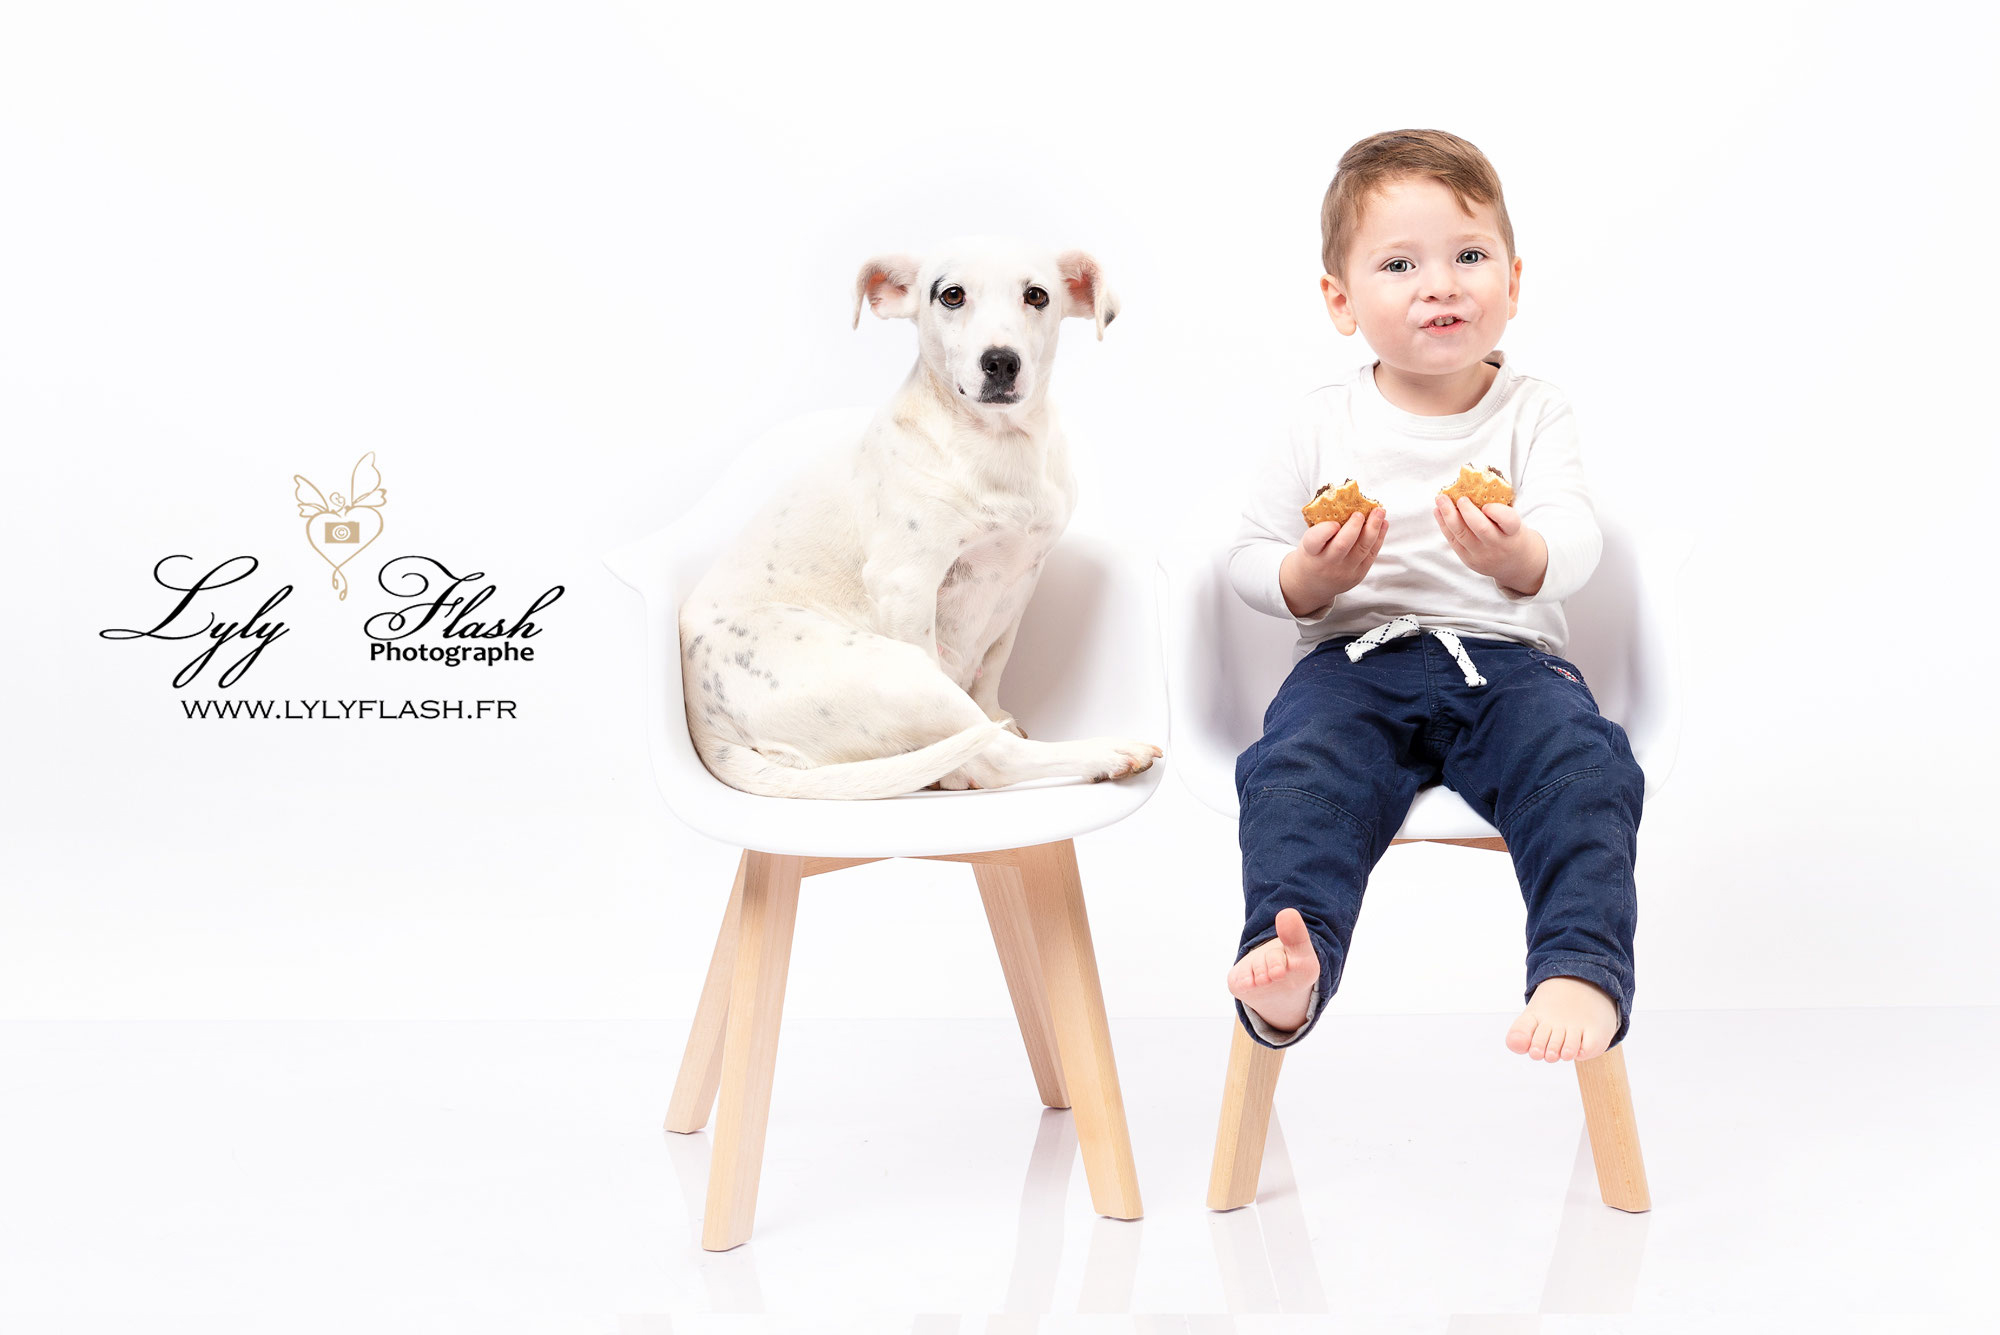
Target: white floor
point(1825, 1171)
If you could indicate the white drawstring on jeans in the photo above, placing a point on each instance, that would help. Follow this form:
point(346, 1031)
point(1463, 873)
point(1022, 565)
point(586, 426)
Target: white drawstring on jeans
point(1407, 625)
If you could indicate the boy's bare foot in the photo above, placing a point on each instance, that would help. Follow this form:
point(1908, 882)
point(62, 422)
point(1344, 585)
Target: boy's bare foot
point(1567, 1019)
point(1276, 978)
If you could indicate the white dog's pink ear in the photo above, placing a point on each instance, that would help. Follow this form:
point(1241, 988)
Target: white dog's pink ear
point(887, 283)
point(1085, 293)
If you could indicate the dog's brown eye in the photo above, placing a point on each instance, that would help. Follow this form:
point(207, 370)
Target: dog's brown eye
point(953, 297)
point(1035, 297)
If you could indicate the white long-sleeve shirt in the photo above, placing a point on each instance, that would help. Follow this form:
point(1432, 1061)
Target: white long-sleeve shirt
point(1522, 426)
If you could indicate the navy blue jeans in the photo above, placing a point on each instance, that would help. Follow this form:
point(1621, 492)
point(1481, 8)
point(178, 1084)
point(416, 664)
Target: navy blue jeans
point(1347, 745)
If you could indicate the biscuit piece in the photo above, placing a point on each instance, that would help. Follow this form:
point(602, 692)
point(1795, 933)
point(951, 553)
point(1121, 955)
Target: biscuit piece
point(1336, 504)
point(1481, 487)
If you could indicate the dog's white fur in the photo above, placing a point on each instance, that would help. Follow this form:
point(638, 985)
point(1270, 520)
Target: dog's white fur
point(850, 642)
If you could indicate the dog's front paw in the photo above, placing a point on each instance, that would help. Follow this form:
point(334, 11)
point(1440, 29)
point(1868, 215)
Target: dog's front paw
point(1126, 757)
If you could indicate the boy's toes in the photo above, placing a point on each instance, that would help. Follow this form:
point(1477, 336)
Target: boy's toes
point(1555, 1044)
point(1522, 1033)
point(1572, 1044)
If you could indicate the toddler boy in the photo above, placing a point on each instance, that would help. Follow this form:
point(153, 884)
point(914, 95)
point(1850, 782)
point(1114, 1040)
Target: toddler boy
point(1428, 643)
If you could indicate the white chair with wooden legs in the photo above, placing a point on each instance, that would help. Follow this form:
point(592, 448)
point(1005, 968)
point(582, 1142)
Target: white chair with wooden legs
point(1226, 660)
point(1085, 664)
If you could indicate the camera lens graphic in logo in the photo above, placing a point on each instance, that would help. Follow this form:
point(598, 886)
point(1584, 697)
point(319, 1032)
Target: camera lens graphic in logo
point(342, 531)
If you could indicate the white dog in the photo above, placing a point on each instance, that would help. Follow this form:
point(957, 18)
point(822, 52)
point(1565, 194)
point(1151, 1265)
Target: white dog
point(849, 643)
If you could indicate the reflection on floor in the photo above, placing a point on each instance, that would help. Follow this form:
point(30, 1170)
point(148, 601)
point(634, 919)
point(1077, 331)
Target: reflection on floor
point(1810, 1170)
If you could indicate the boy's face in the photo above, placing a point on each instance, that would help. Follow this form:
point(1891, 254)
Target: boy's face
point(1417, 256)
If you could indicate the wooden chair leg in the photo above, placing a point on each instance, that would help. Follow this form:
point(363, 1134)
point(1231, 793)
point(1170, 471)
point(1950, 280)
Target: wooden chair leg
point(1006, 901)
point(1607, 1106)
point(1054, 891)
point(765, 920)
point(701, 1063)
point(1247, 1093)
point(1614, 1132)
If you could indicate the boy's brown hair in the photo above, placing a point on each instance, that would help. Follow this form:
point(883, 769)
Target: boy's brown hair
point(1397, 155)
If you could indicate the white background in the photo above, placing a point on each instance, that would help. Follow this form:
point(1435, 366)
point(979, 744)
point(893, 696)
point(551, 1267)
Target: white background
point(552, 264)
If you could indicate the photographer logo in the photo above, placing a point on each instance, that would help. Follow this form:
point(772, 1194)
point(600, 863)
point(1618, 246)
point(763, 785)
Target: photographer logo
point(353, 523)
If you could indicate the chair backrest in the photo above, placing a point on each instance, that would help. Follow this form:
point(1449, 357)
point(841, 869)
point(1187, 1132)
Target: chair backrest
point(1226, 660)
point(753, 474)
point(1086, 660)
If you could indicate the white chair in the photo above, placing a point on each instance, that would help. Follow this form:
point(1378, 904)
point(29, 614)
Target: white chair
point(1083, 665)
point(1226, 660)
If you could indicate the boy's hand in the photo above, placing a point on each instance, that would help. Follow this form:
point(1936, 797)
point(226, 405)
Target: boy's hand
point(1331, 559)
point(1494, 542)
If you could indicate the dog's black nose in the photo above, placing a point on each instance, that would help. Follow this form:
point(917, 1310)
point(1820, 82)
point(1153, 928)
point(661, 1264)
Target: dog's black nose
point(1000, 364)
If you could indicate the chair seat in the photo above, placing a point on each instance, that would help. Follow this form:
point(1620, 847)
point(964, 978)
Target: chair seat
point(1209, 771)
point(1040, 811)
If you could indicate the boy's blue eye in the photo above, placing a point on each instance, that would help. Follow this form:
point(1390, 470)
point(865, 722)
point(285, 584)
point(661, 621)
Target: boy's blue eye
point(1463, 253)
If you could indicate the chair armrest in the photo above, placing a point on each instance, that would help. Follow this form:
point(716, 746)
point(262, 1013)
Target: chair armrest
point(1658, 664)
point(642, 563)
point(1204, 756)
point(646, 566)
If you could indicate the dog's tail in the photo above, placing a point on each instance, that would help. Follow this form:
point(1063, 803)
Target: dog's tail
point(883, 776)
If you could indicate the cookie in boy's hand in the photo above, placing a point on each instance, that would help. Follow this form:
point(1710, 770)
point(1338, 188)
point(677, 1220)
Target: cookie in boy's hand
point(1331, 504)
point(1483, 487)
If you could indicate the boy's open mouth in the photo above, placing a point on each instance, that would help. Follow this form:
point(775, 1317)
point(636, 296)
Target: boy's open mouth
point(1443, 323)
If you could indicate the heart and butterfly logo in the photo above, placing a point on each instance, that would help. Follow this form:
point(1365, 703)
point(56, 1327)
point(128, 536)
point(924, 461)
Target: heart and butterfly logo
point(339, 528)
